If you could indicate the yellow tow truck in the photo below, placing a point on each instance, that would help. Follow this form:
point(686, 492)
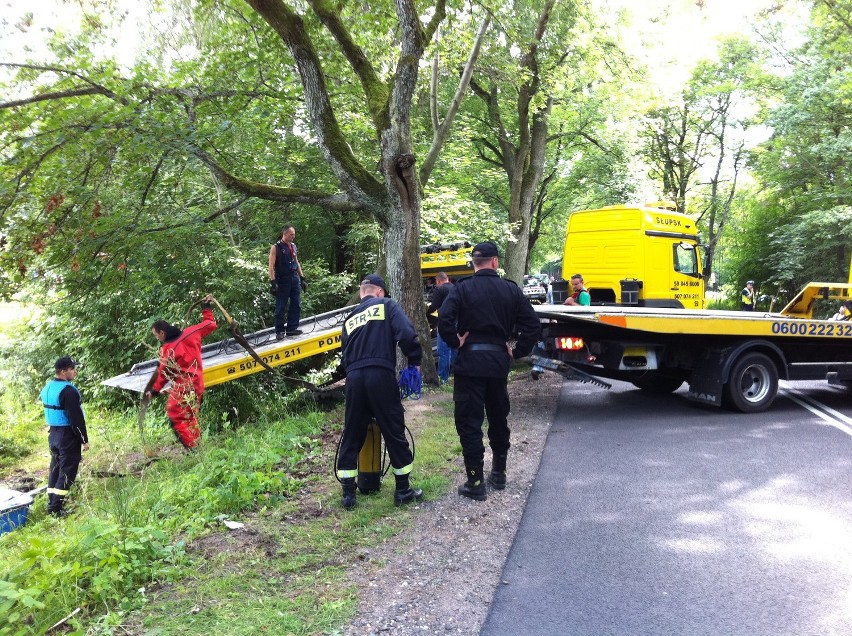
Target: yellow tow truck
point(637, 255)
point(732, 359)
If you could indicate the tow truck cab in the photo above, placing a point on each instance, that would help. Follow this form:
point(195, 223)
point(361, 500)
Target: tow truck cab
point(645, 256)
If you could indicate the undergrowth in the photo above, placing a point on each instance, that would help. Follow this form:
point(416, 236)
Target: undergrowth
point(137, 548)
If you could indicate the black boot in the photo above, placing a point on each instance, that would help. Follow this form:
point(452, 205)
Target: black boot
point(404, 492)
point(474, 487)
point(348, 500)
point(497, 478)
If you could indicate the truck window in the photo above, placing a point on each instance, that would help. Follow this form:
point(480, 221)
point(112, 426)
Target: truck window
point(685, 259)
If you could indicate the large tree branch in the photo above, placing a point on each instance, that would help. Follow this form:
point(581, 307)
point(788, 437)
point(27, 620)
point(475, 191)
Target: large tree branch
point(103, 90)
point(440, 133)
point(336, 202)
point(355, 179)
point(507, 150)
point(374, 88)
point(437, 18)
point(46, 97)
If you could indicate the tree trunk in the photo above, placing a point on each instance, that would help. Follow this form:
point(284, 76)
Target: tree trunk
point(529, 169)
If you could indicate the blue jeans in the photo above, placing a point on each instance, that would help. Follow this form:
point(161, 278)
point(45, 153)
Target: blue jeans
point(446, 359)
point(288, 291)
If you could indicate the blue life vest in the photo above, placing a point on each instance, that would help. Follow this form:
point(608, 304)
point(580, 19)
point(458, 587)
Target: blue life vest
point(54, 414)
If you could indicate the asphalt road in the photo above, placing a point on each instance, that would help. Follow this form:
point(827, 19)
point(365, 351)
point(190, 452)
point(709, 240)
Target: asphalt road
point(650, 515)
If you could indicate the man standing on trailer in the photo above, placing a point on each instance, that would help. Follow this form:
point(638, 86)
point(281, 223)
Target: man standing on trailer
point(286, 281)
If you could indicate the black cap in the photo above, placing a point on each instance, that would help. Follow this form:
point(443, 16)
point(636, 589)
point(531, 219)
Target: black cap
point(378, 281)
point(65, 362)
point(488, 249)
point(751, 282)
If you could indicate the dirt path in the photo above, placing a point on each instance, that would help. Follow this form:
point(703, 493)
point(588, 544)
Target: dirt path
point(439, 576)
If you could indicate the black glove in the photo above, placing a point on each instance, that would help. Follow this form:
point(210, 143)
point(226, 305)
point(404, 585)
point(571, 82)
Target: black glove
point(273, 287)
point(303, 283)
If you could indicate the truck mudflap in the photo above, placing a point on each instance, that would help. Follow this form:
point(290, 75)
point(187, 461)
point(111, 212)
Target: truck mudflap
point(567, 371)
point(705, 383)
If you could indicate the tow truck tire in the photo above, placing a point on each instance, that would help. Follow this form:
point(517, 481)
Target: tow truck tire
point(752, 385)
point(660, 384)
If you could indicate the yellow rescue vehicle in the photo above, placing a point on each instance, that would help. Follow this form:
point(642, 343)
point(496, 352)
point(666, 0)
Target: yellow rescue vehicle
point(451, 258)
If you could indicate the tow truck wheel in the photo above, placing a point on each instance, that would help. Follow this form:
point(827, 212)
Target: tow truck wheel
point(753, 384)
point(656, 383)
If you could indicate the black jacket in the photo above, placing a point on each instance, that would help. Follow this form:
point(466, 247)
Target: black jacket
point(371, 332)
point(493, 311)
point(438, 296)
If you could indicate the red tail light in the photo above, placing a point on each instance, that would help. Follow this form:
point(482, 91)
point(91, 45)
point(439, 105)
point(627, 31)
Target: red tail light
point(566, 343)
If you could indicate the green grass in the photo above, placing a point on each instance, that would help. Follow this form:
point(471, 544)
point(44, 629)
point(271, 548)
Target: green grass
point(147, 552)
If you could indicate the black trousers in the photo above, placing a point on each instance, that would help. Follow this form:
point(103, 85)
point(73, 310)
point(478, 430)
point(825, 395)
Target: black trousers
point(372, 393)
point(65, 454)
point(474, 398)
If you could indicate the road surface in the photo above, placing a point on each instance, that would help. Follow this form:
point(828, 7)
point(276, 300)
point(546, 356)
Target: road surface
point(651, 515)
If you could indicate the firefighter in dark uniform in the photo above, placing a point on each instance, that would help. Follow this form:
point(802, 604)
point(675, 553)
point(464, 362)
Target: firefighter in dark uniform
point(481, 316)
point(63, 413)
point(370, 336)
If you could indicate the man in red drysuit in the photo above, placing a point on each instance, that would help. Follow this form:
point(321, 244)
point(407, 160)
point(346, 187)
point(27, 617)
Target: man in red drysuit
point(180, 363)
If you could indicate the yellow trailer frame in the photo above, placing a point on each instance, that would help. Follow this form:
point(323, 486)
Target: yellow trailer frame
point(227, 360)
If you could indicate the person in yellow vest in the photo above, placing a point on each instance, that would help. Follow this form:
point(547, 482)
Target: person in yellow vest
point(63, 414)
point(747, 297)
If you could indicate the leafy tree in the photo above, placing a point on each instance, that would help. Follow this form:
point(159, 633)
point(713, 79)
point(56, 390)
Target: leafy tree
point(696, 148)
point(801, 232)
point(122, 164)
point(541, 68)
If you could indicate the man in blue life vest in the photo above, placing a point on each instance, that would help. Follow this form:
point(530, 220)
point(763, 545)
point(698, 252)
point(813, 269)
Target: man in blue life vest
point(370, 336)
point(63, 413)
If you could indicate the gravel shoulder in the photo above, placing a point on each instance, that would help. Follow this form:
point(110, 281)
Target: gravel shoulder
point(439, 576)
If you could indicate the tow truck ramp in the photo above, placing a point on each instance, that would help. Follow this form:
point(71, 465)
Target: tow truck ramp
point(228, 360)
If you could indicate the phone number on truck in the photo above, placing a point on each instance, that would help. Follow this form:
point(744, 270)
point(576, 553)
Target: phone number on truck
point(843, 330)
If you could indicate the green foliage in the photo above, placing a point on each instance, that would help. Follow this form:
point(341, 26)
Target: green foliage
point(132, 531)
point(134, 552)
point(796, 228)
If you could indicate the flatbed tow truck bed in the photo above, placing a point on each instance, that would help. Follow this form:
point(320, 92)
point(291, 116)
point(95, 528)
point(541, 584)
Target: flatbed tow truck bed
point(227, 360)
point(729, 358)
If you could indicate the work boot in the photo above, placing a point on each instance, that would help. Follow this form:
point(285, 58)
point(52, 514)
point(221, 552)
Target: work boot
point(497, 477)
point(348, 499)
point(404, 492)
point(474, 487)
point(405, 496)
